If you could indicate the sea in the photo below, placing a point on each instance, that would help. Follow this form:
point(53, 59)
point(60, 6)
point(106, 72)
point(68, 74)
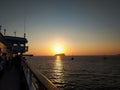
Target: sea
point(81, 72)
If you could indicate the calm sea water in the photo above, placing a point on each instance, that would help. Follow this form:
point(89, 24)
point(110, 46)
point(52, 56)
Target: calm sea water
point(82, 73)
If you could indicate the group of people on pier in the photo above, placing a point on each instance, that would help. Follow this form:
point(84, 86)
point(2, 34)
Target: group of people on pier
point(7, 63)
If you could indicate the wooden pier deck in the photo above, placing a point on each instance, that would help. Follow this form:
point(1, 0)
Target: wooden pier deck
point(11, 80)
point(25, 77)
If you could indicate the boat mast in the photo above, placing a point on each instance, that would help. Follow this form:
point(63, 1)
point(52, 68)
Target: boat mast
point(24, 27)
point(15, 33)
point(4, 32)
point(0, 28)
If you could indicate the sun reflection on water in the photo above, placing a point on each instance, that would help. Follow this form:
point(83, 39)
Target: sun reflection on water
point(58, 71)
point(58, 63)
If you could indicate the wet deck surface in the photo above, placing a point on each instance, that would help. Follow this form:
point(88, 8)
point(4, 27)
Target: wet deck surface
point(10, 80)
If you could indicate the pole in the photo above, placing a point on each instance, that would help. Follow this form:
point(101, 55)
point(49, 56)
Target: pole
point(0, 28)
point(4, 32)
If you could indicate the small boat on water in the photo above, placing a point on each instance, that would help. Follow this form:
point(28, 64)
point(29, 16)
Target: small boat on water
point(72, 58)
point(105, 57)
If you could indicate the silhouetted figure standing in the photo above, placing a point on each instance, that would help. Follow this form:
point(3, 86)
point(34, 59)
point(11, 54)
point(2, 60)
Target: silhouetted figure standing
point(17, 61)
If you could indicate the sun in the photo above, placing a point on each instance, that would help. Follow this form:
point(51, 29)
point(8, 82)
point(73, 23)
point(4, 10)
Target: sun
point(58, 49)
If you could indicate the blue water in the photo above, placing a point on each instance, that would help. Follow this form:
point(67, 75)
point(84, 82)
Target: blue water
point(82, 73)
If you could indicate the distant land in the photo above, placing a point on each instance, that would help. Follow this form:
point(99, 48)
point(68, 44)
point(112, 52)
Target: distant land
point(61, 54)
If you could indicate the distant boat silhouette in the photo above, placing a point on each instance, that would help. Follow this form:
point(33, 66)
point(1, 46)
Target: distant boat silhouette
point(105, 57)
point(72, 58)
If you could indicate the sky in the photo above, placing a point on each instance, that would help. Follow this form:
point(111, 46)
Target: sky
point(81, 27)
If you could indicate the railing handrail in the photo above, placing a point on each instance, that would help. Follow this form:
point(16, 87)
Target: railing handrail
point(41, 78)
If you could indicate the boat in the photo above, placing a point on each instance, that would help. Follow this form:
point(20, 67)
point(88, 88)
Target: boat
point(19, 74)
point(72, 58)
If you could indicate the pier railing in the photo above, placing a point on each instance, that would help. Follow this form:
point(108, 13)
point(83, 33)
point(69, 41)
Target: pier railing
point(35, 79)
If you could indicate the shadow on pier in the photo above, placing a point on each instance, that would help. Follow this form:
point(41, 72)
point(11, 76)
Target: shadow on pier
point(12, 79)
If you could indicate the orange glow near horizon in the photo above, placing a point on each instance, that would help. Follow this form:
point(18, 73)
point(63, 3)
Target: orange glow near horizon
point(57, 47)
point(81, 52)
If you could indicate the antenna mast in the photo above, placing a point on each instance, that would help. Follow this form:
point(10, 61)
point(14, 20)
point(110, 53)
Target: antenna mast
point(0, 28)
point(15, 33)
point(25, 27)
point(4, 32)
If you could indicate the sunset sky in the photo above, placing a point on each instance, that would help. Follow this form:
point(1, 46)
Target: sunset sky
point(80, 27)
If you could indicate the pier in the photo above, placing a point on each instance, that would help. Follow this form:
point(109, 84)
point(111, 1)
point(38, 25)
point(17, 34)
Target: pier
point(12, 79)
point(15, 71)
point(27, 78)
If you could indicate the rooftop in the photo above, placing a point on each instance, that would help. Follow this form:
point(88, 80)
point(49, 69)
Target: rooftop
point(16, 39)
